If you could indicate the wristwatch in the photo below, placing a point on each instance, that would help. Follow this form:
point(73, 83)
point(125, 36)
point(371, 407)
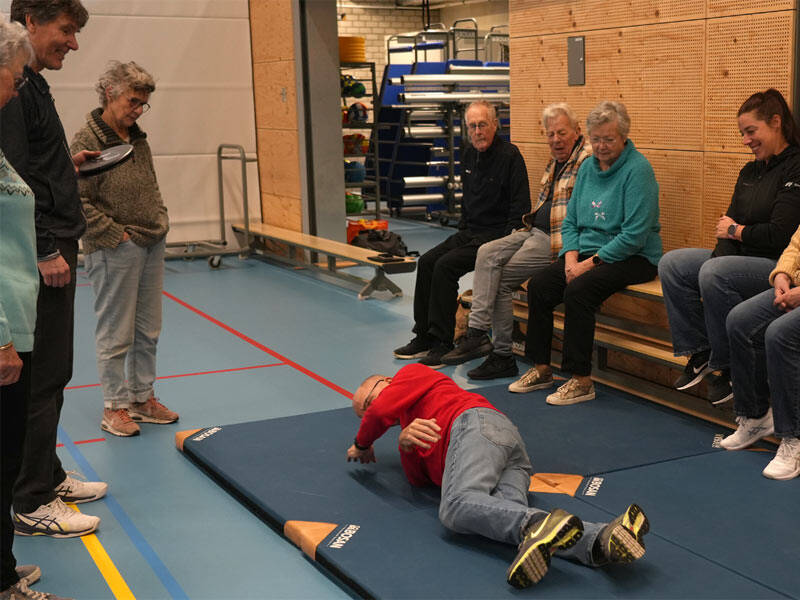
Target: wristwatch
point(597, 260)
point(732, 230)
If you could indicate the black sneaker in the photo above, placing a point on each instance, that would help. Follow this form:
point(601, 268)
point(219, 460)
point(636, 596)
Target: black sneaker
point(433, 358)
point(695, 370)
point(559, 530)
point(719, 389)
point(494, 367)
point(474, 344)
point(416, 348)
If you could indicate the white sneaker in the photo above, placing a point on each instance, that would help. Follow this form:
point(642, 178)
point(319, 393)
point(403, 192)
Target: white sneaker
point(55, 519)
point(749, 432)
point(530, 381)
point(77, 491)
point(786, 464)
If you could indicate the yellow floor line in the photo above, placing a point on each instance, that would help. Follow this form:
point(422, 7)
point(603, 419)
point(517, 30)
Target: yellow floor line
point(106, 566)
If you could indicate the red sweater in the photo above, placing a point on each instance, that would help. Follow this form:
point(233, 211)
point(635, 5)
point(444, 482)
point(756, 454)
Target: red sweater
point(420, 392)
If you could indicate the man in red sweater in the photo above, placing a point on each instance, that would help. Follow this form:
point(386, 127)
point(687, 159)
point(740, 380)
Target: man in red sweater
point(457, 440)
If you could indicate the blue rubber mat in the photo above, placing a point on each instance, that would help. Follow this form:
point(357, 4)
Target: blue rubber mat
point(383, 537)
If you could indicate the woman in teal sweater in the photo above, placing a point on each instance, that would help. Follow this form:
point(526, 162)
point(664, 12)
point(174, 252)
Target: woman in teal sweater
point(611, 240)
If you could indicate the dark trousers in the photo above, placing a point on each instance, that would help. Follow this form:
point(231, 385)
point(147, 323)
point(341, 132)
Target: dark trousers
point(13, 419)
point(51, 370)
point(436, 291)
point(582, 298)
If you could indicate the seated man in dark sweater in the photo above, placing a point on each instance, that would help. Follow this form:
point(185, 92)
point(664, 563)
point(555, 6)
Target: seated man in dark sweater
point(495, 196)
point(457, 440)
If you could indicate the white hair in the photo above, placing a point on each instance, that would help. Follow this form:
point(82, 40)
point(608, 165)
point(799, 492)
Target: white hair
point(120, 77)
point(14, 42)
point(608, 111)
point(559, 108)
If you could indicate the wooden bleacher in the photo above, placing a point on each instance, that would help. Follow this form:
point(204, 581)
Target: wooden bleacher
point(633, 350)
point(292, 245)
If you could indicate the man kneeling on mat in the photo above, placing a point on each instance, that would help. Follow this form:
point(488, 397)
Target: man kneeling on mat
point(458, 441)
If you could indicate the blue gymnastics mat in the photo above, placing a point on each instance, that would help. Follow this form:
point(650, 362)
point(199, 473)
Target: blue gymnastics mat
point(718, 529)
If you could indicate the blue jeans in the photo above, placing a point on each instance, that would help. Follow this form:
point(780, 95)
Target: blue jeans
point(485, 484)
point(765, 362)
point(127, 282)
point(501, 266)
point(700, 291)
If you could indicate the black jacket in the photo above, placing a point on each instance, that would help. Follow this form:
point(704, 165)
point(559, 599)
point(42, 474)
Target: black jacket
point(33, 140)
point(766, 200)
point(495, 189)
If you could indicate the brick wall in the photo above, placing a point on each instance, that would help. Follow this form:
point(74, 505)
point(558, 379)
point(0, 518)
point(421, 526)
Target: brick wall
point(375, 24)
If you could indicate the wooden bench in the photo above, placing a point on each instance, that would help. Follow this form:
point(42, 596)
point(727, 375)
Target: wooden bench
point(338, 255)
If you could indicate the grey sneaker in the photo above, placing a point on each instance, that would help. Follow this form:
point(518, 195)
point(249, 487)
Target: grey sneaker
point(55, 519)
point(559, 530)
point(21, 591)
point(30, 574)
point(530, 381)
point(621, 541)
point(78, 491)
point(571, 392)
point(749, 432)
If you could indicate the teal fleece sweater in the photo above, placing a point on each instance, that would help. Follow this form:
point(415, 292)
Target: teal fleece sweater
point(614, 213)
point(19, 276)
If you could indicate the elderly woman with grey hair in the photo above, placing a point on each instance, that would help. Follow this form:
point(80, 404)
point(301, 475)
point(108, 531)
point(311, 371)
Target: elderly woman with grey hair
point(17, 313)
point(610, 239)
point(124, 248)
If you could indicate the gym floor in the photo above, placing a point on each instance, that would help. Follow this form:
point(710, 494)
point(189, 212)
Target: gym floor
point(248, 341)
point(244, 342)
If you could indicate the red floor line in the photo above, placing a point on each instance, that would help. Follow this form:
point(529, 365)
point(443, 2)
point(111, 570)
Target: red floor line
point(280, 364)
point(84, 442)
point(260, 346)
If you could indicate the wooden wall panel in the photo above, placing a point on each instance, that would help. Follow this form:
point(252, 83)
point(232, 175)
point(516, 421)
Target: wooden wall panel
point(680, 183)
point(745, 54)
point(536, 158)
point(719, 173)
point(633, 66)
point(538, 17)
point(725, 8)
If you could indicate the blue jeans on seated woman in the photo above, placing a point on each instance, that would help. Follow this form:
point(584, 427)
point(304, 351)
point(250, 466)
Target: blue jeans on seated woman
point(700, 291)
point(765, 362)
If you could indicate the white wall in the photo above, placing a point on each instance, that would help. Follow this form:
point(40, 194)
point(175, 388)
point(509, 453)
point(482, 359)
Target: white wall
point(199, 53)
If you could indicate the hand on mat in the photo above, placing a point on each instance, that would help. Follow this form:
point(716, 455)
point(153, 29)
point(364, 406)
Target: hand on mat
point(82, 156)
point(365, 456)
point(418, 433)
point(55, 272)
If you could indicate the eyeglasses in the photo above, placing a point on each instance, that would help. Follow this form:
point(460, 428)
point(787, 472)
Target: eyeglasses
point(473, 126)
point(135, 104)
point(597, 141)
point(19, 82)
point(369, 398)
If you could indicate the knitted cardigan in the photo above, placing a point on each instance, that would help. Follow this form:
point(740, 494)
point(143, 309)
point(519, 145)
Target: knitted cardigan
point(123, 199)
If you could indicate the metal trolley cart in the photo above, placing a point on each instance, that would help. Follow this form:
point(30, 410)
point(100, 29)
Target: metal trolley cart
point(214, 250)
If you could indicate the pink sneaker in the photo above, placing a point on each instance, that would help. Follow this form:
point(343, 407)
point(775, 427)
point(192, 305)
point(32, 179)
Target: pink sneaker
point(151, 411)
point(118, 422)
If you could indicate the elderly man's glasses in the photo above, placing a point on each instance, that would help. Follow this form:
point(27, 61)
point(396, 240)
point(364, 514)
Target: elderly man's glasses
point(481, 125)
point(136, 104)
point(19, 82)
point(369, 398)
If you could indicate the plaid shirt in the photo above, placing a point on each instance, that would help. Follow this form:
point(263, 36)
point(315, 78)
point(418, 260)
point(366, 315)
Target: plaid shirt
point(561, 193)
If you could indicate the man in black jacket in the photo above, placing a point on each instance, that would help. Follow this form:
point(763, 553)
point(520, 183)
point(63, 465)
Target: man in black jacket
point(495, 196)
point(32, 138)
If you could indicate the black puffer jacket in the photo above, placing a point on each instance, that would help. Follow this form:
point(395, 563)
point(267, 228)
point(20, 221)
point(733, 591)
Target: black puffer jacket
point(766, 200)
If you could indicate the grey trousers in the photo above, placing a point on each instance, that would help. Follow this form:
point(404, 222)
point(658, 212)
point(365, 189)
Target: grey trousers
point(501, 266)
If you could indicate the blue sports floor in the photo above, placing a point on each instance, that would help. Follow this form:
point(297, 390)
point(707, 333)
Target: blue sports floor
point(250, 342)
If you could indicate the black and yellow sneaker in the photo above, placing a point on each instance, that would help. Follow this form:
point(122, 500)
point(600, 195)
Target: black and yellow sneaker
point(559, 530)
point(621, 540)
